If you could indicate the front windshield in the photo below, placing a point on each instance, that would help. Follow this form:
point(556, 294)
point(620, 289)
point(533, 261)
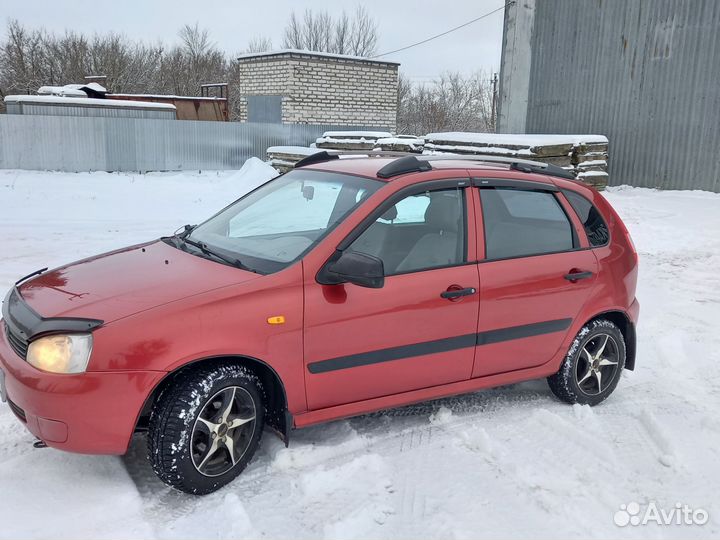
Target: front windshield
point(279, 222)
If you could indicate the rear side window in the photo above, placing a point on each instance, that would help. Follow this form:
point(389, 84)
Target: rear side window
point(521, 223)
point(595, 226)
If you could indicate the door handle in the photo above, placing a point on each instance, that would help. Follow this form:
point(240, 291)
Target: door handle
point(575, 275)
point(457, 293)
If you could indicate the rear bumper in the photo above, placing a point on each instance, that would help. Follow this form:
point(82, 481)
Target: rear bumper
point(89, 413)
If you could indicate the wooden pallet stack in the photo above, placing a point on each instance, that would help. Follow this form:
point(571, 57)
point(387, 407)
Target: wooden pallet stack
point(589, 160)
point(351, 140)
point(284, 158)
point(584, 155)
point(401, 143)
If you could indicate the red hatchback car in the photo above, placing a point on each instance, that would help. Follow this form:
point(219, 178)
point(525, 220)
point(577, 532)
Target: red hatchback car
point(342, 287)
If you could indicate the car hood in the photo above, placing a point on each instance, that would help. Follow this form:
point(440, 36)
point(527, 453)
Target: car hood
point(124, 282)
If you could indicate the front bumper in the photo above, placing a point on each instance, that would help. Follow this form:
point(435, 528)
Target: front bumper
point(89, 413)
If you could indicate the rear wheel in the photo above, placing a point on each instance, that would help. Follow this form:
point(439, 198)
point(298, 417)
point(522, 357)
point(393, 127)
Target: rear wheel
point(206, 427)
point(592, 368)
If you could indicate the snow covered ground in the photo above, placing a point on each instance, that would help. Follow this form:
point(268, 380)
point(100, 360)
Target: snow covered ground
point(511, 462)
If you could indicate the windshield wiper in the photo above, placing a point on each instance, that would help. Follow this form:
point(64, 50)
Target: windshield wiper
point(202, 246)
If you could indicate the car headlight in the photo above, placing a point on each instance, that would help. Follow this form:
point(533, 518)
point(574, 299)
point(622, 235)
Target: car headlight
point(61, 353)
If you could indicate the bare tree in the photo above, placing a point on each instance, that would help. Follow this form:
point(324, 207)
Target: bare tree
point(184, 68)
point(259, 44)
point(23, 59)
point(196, 41)
point(451, 103)
point(364, 35)
point(319, 31)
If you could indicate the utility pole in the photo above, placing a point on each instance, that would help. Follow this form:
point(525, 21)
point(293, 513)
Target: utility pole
point(494, 102)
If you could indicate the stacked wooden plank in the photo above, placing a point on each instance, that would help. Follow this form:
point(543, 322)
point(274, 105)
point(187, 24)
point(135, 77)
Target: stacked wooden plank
point(351, 140)
point(590, 161)
point(584, 155)
point(283, 158)
point(401, 143)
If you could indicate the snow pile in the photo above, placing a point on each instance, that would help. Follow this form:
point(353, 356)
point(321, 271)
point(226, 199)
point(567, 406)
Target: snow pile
point(510, 462)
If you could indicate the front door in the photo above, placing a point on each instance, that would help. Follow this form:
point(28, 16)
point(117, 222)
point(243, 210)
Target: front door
point(528, 299)
point(418, 330)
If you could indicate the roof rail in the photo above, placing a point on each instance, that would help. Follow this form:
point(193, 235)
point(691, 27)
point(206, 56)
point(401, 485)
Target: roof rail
point(414, 163)
point(329, 155)
point(404, 165)
point(518, 164)
point(408, 162)
point(318, 157)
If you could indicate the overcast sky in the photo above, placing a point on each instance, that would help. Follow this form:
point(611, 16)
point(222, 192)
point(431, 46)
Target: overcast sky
point(233, 22)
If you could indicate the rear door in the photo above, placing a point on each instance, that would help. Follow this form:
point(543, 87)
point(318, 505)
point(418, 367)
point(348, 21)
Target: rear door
point(536, 273)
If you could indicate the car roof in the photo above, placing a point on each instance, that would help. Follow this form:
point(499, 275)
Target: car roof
point(370, 166)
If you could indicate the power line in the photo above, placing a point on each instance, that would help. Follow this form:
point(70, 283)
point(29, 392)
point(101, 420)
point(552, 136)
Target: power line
point(446, 32)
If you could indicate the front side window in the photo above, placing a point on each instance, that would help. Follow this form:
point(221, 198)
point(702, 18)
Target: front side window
point(520, 223)
point(281, 221)
point(419, 232)
point(595, 226)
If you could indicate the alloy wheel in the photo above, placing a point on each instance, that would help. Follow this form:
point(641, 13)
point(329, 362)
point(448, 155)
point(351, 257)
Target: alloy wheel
point(223, 431)
point(597, 365)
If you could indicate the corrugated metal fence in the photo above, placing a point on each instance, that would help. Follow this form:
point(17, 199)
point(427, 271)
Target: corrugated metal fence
point(72, 144)
point(645, 73)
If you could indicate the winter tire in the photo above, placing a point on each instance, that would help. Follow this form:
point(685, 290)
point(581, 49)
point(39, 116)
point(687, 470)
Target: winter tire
point(206, 427)
point(592, 368)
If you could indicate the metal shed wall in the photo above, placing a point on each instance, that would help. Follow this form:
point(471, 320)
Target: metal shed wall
point(646, 73)
point(76, 143)
point(68, 109)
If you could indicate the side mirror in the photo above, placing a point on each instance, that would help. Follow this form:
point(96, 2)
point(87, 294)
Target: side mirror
point(354, 267)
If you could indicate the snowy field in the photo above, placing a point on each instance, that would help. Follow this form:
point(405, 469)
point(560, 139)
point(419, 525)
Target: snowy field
point(511, 462)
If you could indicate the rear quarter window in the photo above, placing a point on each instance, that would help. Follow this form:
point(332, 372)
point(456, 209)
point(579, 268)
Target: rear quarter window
point(593, 222)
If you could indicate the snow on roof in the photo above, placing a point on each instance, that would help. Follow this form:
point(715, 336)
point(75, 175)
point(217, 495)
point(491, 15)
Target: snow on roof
point(585, 174)
point(167, 96)
point(67, 90)
point(517, 139)
point(95, 86)
point(592, 163)
point(59, 100)
point(289, 52)
point(461, 149)
point(401, 140)
point(357, 134)
point(70, 90)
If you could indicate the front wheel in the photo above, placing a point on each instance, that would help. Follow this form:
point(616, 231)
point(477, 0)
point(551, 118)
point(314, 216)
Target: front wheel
point(592, 368)
point(206, 427)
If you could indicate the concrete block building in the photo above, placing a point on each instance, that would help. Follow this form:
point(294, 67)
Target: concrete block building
point(302, 87)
